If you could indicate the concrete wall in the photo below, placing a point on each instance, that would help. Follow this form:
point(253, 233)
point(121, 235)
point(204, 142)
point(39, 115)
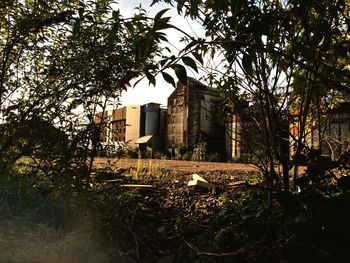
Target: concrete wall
point(176, 117)
point(132, 131)
point(104, 126)
point(243, 137)
point(191, 116)
point(118, 124)
point(233, 137)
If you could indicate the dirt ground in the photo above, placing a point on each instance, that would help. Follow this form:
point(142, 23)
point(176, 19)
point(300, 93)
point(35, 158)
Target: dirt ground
point(188, 166)
point(169, 205)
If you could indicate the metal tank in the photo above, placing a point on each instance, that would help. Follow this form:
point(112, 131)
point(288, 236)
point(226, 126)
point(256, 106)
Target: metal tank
point(151, 118)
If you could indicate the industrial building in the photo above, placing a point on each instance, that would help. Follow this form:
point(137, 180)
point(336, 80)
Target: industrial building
point(242, 136)
point(153, 123)
point(330, 134)
point(192, 119)
point(112, 125)
point(135, 125)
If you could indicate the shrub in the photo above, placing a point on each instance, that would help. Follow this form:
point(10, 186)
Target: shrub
point(182, 149)
point(215, 157)
point(131, 153)
point(187, 156)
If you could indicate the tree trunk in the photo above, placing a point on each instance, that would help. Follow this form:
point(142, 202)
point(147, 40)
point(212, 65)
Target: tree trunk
point(269, 186)
point(285, 177)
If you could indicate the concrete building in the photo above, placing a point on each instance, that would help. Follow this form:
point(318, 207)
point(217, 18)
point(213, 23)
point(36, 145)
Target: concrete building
point(191, 117)
point(152, 129)
point(137, 126)
point(331, 136)
point(118, 129)
point(242, 136)
point(113, 125)
point(133, 126)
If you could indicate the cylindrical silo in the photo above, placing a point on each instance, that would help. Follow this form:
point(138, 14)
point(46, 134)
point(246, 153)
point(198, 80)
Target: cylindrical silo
point(151, 113)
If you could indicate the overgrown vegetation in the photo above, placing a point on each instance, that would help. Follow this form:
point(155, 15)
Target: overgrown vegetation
point(63, 61)
point(172, 221)
point(282, 64)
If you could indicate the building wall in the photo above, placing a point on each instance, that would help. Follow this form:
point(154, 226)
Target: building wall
point(104, 121)
point(335, 135)
point(209, 124)
point(233, 137)
point(133, 118)
point(162, 122)
point(132, 122)
point(118, 124)
point(191, 116)
point(176, 117)
point(242, 137)
point(332, 136)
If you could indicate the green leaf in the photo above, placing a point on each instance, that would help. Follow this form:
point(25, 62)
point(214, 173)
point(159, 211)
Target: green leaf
point(180, 72)
point(162, 23)
point(190, 62)
point(191, 44)
point(76, 28)
point(198, 57)
point(81, 11)
point(115, 15)
point(180, 4)
point(168, 78)
point(160, 13)
point(247, 64)
point(162, 37)
point(151, 79)
point(341, 50)
point(163, 61)
point(220, 5)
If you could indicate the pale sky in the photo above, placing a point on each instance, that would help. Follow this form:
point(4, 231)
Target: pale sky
point(143, 92)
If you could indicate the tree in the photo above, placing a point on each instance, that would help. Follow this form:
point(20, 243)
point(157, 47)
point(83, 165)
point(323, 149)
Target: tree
point(61, 62)
point(279, 55)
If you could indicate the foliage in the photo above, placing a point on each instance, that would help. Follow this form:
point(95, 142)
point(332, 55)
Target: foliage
point(23, 241)
point(62, 63)
point(287, 60)
point(181, 149)
point(192, 226)
point(215, 157)
point(187, 156)
point(301, 226)
point(64, 58)
point(132, 153)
